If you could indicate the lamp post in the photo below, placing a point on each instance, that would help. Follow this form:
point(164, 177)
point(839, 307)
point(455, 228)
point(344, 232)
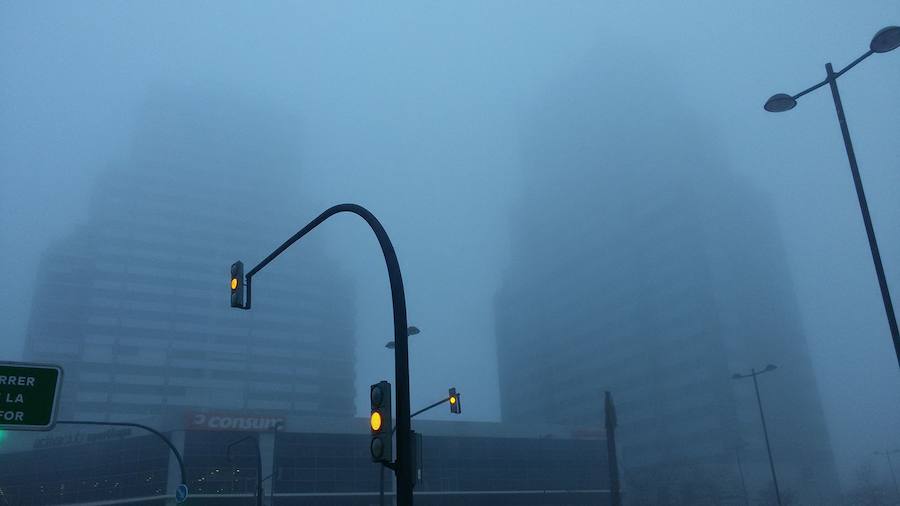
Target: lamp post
point(740, 466)
point(402, 467)
point(410, 331)
point(887, 39)
point(753, 374)
point(151, 430)
point(887, 454)
point(259, 478)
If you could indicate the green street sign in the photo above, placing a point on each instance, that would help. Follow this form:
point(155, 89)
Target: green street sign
point(29, 394)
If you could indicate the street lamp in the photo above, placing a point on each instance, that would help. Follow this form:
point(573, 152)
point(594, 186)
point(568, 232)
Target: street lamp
point(160, 435)
point(887, 454)
point(410, 331)
point(259, 478)
point(887, 39)
point(753, 374)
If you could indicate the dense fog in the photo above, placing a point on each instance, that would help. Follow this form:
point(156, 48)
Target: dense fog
point(583, 197)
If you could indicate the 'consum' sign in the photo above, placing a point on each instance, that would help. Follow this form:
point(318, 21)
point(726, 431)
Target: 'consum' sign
point(28, 395)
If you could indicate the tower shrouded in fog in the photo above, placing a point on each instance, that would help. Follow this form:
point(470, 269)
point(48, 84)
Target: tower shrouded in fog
point(642, 266)
point(134, 304)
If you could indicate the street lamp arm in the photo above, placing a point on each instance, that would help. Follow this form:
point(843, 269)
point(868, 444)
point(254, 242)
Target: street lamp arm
point(259, 478)
point(235, 443)
point(836, 75)
point(854, 63)
point(810, 89)
point(139, 426)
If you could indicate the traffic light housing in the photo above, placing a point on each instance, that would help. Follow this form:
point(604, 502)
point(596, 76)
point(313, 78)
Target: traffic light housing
point(237, 284)
point(381, 422)
point(455, 405)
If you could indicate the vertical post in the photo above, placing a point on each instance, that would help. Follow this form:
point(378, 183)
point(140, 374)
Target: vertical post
point(381, 487)
point(267, 449)
point(864, 208)
point(741, 472)
point(615, 495)
point(766, 434)
point(259, 474)
point(174, 477)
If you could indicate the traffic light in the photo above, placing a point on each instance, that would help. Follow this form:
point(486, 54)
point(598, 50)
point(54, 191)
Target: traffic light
point(380, 422)
point(237, 284)
point(455, 406)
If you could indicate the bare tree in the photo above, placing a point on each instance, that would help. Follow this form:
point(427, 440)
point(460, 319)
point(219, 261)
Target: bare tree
point(867, 491)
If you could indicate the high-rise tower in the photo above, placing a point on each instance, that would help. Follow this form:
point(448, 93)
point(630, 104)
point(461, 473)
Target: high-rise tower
point(641, 265)
point(134, 304)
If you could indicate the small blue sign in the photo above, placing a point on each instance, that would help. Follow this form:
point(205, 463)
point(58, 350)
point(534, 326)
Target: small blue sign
point(181, 493)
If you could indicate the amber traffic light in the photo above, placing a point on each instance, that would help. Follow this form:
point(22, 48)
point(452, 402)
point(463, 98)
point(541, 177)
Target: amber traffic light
point(237, 284)
point(380, 422)
point(455, 405)
point(375, 421)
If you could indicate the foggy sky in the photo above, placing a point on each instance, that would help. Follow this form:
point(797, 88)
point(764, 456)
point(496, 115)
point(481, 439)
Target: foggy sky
point(419, 111)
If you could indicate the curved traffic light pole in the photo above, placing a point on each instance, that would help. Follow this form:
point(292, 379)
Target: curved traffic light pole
point(139, 426)
point(402, 467)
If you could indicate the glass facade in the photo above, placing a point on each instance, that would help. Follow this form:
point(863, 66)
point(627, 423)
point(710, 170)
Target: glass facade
point(307, 468)
point(81, 472)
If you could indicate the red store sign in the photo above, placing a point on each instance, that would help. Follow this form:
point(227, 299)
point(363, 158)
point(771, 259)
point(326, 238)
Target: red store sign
point(232, 421)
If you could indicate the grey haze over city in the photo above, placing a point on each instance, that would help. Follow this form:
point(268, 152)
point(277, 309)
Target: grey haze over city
point(527, 159)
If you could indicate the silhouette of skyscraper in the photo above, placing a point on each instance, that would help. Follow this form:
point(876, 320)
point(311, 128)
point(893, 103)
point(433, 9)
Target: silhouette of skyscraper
point(134, 303)
point(642, 266)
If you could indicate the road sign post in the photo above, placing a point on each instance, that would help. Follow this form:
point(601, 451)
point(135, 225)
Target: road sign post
point(29, 395)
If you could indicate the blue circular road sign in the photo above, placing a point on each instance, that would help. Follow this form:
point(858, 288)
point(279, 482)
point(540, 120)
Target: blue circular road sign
point(181, 493)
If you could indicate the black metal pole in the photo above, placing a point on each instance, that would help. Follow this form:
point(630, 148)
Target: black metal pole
point(139, 426)
point(381, 487)
point(402, 466)
point(436, 404)
point(259, 476)
point(615, 496)
point(864, 207)
point(766, 434)
point(419, 412)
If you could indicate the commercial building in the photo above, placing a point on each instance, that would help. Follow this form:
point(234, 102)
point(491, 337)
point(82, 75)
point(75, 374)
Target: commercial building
point(134, 304)
point(642, 266)
point(304, 461)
